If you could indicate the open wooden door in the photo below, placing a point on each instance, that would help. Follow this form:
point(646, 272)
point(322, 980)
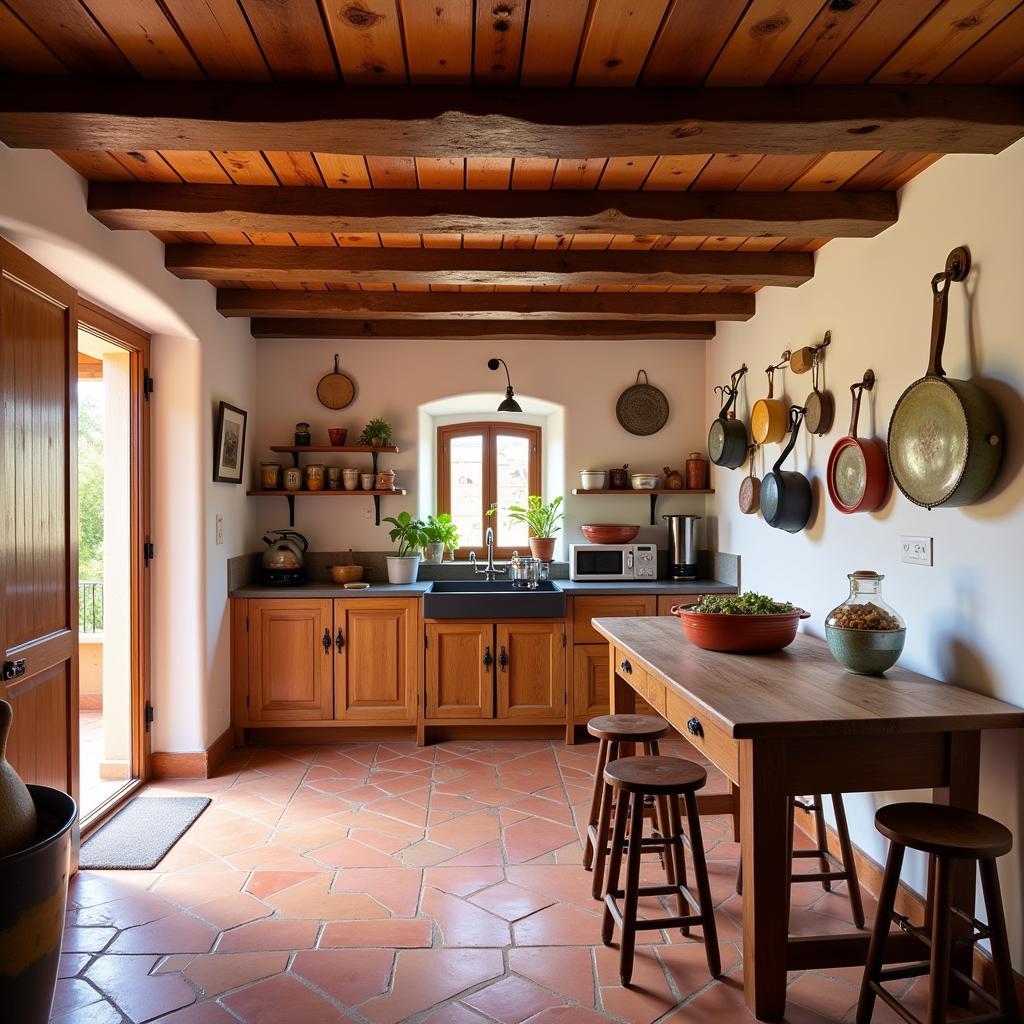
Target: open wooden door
point(39, 530)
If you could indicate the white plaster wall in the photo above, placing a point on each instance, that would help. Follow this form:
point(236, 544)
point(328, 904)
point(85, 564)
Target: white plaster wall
point(198, 358)
point(963, 614)
point(394, 378)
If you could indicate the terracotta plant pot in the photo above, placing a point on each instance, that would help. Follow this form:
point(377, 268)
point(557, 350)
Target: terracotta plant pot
point(543, 548)
point(740, 634)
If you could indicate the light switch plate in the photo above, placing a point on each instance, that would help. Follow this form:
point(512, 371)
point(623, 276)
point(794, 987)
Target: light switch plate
point(916, 550)
point(219, 525)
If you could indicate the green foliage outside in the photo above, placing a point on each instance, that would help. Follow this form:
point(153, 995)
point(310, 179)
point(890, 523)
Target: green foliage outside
point(90, 487)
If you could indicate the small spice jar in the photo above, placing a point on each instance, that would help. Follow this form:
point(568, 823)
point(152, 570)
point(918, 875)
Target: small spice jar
point(864, 633)
point(350, 478)
point(315, 477)
point(293, 478)
point(303, 437)
point(367, 481)
point(334, 478)
point(696, 472)
point(270, 476)
point(386, 480)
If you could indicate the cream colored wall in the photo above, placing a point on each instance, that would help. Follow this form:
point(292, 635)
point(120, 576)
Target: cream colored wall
point(963, 613)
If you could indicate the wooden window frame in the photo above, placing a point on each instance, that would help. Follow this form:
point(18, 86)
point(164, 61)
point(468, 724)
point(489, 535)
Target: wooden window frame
point(490, 429)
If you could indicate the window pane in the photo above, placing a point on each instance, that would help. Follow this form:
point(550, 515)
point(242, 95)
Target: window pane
point(513, 488)
point(466, 473)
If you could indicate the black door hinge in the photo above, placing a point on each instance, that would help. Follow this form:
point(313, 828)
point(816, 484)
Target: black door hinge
point(147, 384)
point(148, 552)
point(149, 716)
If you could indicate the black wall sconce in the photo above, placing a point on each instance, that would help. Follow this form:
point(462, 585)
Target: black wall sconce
point(509, 404)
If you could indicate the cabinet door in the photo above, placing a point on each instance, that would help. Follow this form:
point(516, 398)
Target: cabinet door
point(460, 670)
point(531, 670)
point(375, 662)
point(289, 667)
point(586, 608)
point(590, 673)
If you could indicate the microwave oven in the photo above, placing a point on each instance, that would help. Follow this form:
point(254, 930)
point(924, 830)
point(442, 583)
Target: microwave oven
point(604, 562)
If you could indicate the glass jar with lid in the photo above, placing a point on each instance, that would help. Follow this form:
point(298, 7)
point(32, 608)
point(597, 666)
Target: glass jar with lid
point(865, 634)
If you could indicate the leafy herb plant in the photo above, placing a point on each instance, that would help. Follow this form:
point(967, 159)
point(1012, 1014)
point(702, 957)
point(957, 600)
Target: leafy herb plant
point(542, 519)
point(747, 603)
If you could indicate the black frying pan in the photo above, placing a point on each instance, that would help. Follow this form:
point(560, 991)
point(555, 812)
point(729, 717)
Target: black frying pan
point(786, 495)
point(727, 438)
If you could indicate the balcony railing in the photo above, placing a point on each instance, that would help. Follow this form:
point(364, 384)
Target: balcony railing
point(90, 606)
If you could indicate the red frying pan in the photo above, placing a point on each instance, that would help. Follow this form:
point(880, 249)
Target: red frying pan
point(858, 473)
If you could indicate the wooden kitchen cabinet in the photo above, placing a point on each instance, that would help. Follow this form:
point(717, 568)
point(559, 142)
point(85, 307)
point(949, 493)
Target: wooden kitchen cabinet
point(531, 670)
point(290, 668)
point(586, 608)
point(460, 670)
point(590, 673)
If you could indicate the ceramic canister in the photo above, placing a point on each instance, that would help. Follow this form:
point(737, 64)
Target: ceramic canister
point(334, 478)
point(696, 472)
point(315, 476)
point(367, 481)
point(386, 480)
point(350, 478)
point(303, 435)
point(270, 475)
point(293, 479)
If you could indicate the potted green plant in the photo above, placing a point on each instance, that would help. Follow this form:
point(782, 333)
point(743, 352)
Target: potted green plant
point(409, 533)
point(543, 521)
point(441, 535)
point(377, 433)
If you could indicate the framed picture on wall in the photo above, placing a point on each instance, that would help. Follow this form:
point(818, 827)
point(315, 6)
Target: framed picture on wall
point(229, 444)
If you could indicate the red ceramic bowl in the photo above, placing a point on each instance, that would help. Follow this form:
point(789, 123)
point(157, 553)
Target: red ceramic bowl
point(337, 435)
point(610, 533)
point(740, 634)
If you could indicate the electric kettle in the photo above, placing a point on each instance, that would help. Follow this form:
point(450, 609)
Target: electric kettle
point(282, 562)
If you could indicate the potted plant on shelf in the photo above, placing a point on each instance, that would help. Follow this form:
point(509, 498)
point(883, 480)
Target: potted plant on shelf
point(409, 532)
point(441, 535)
point(377, 433)
point(542, 520)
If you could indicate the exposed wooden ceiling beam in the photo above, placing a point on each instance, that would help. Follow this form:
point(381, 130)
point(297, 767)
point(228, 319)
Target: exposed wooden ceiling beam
point(160, 207)
point(341, 264)
point(39, 112)
point(489, 305)
point(470, 330)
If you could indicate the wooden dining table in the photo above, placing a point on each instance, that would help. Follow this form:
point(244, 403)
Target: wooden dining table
point(792, 723)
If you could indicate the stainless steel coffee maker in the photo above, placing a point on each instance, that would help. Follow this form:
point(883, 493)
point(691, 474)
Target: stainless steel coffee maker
point(682, 546)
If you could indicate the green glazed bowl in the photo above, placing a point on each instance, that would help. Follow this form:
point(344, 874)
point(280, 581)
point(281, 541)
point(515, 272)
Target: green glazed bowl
point(868, 652)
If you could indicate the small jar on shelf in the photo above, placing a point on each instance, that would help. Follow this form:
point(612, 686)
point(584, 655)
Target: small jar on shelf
point(303, 435)
point(270, 476)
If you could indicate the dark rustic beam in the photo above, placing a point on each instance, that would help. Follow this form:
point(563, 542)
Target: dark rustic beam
point(352, 264)
point(488, 305)
point(77, 113)
point(161, 207)
point(471, 330)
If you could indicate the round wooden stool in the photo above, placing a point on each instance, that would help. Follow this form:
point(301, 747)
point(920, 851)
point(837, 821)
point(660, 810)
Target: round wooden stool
point(667, 779)
point(613, 733)
point(946, 834)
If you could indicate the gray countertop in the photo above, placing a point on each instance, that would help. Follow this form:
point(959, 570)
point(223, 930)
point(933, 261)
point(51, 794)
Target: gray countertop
point(326, 589)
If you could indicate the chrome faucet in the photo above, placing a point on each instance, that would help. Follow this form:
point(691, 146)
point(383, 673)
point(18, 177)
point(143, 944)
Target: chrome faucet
point(490, 572)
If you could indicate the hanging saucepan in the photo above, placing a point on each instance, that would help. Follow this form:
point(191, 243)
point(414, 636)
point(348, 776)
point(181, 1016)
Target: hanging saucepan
point(768, 417)
point(727, 438)
point(750, 488)
point(945, 436)
point(336, 390)
point(857, 471)
point(786, 495)
point(820, 405)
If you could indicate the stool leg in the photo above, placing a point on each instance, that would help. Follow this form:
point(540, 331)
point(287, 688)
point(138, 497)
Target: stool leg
point(595, 803)
point(942, 938)
point(821, 837)
point(603, 826)
point(849, 863)
point(700, 870)
point(1005, 989)
point(611, 876)
point(675, 873)
point(880, 932)
point(631, 896)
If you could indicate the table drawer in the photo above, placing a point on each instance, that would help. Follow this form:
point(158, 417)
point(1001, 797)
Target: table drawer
point(707, 735)
point(648, 689)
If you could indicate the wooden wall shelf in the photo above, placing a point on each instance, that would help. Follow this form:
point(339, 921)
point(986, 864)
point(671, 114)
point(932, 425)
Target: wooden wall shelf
point(653, 494)
point(292, 495)
point(392, 449)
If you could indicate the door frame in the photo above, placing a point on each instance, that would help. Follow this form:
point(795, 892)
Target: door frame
point(113, 329)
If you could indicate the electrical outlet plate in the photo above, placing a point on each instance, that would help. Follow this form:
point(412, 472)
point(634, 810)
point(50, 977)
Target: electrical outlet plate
point(916, 550)
point(219, 525)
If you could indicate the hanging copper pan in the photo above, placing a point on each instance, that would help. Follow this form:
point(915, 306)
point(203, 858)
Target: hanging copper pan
point(750, 488)
point(945, 436)
point(820, 405)
point(857, 474)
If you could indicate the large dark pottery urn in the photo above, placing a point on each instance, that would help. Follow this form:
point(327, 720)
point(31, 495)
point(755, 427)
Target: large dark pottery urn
point(33, 896)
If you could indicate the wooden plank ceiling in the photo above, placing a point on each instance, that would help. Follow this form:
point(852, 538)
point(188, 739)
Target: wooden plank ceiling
point(555, 44)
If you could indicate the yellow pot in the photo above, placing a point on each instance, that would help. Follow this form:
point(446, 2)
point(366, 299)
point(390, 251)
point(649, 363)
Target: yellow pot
point(769, 417)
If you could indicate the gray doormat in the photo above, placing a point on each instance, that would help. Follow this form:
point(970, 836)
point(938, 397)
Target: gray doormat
point(140, 835)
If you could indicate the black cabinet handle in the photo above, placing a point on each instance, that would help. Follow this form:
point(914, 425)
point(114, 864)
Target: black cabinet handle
point(339, 640)
point(326, 641)
point(626, 667)
point(488, 660)
point(13, 669)
point(503, 659)
point(694, 728)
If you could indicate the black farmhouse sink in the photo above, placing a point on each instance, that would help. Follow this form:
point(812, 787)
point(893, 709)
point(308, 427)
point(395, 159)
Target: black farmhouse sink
point(492, 599)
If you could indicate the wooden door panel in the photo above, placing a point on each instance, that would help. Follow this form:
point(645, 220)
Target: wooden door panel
point(375, 668)
point(38, 534)
point(666, 602)
point(531, 683)
point(289, 669)
point(586, 608)
point(460, 670)
point(590, 671)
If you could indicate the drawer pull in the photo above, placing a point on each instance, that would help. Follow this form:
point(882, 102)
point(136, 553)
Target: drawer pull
point(626, 667)
point(694, 728)
point(488, 660)
point(326, 641)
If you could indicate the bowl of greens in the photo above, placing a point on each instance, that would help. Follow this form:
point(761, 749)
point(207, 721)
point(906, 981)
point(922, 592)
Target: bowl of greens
point(746, 623)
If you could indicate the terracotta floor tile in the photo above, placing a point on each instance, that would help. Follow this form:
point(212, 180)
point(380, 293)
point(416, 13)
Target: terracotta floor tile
point(565, 884)
point(568, 971)
point(349, 975)
point(466, 832)
point(687, 963)
point(425, 977)
point(833, 999)
point(462, 881)
point(86, 940)
point(266, 883)
point(562, 925)
point(126, 981)
point(178, 933)
point(232, 910)
point(483, 856)
point(309, 835)
point(214, 973)
point(190, 890)
point(138, 908)
point(200, 1013)
point(647, 999)
point(455, 1013)
point(512, 1000)
point(510, 902)
point(401, 809)
point(313, 900)
point(72, 994)
point(72, 964)
point(397, 889)
point(569, 1015)
point(280, 999)
point(390, 934)
point(348, 853)
point(463, 924)
point(533, 836)
point(378, 840)
point(721, 1001)
point(101, 1012)
point(269, 935)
